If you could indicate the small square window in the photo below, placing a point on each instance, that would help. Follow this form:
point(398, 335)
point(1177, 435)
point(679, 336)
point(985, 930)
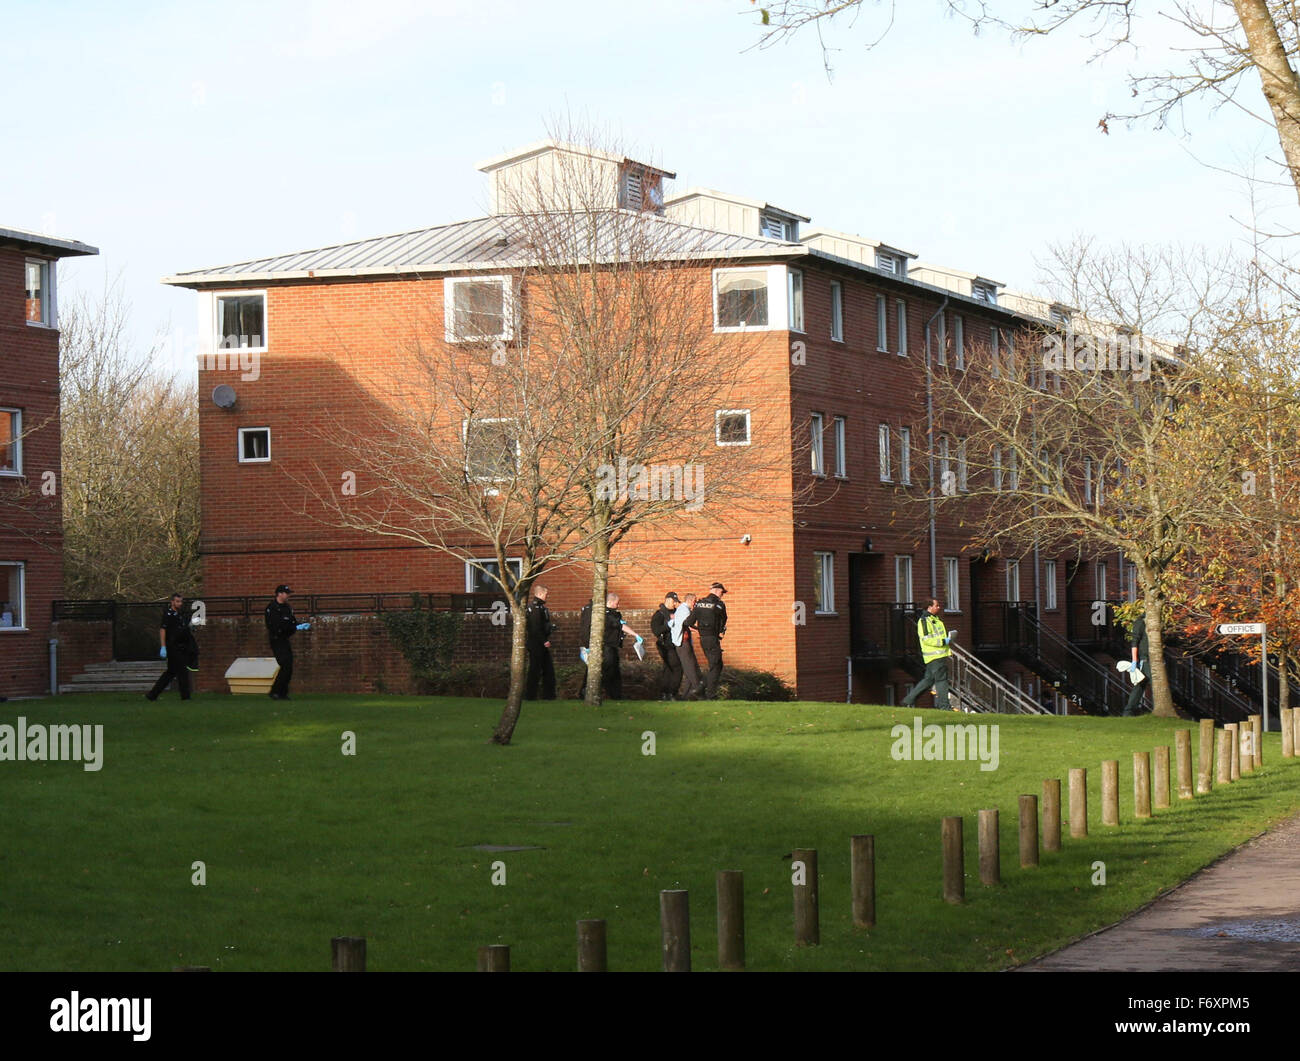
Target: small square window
point(254, 445)
point(13, 609)
point(491, 449)
point(241, 321)
point(478, 308)
point(11, 442)
point(741, 300)
point(40, 292)
point(732, 427)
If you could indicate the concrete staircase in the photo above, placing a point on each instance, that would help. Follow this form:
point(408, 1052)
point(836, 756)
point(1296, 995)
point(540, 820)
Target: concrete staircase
point(115, 678)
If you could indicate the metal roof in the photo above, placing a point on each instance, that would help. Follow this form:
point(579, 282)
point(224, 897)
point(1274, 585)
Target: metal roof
point(488, 243)
point(48, 245)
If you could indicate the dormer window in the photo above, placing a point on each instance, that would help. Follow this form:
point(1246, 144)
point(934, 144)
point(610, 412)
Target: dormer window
point(774, 226)
point(984, 293)
point(640, 188)
point(1059, 315)
point(889, 263)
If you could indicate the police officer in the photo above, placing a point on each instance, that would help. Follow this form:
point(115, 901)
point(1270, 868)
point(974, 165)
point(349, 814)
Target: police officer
point(1141, 651)
point(710, 619)
point(611, 675)
point(671, 677)
point(541, 666)
point(280, 626)
point(175, 644)
point(935, 653)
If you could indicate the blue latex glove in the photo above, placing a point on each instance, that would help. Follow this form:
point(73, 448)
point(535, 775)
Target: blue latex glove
point(948, 640)
point(162, 652)
point(304, 626)
point(640, 640)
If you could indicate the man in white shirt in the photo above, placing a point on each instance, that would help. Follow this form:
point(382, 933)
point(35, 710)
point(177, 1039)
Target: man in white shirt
point(681, 636)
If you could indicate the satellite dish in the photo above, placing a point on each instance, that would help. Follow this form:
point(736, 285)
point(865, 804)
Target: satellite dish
point(223, 396)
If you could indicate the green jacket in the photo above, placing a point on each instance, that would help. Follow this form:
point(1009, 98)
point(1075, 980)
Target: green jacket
point(934, 638)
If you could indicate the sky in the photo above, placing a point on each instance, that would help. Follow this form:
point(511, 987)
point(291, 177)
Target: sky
point(176, 136)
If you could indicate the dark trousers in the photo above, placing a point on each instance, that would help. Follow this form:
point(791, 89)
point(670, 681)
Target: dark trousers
point(1134, 705)
point(690, 670)
point(283, 656)
point(176, 661)
point(712, 647)
point(541, 670)
point(936, 674)
point(670, 680)
point(611, 676)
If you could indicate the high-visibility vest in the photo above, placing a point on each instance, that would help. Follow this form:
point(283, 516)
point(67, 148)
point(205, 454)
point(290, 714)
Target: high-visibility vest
point(934, 638)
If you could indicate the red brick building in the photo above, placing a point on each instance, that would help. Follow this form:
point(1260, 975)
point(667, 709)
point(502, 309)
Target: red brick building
point(841, 327)
point(31, 536)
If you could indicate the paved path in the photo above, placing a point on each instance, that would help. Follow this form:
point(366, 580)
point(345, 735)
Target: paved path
point(1240, 914)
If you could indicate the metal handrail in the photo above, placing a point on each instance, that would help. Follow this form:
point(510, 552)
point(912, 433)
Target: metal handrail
point(983, 689)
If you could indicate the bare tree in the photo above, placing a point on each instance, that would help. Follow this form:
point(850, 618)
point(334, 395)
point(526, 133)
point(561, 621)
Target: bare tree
point(130, 462)
point(1225, 41)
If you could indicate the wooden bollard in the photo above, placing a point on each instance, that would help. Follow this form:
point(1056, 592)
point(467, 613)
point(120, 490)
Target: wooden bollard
point(1052, 814)
point(807, 923)
point(348, 954)
point(494, 958)
point(1234, 748)
point(1142, 784)
point(1257, 725)
point(990, 856)
point(1110, 792)
point(731, 919)
point(1223, 773)
point(954, 868)
point(1160, 778)
point(1028, 831)
point(675, 929)
point(1288, 734)
point(1183, 762)
point(1204, 764)
point(1078, 802)
point(592, 953)
point(1249, 745)
point(1295, 729)
point(862, 851)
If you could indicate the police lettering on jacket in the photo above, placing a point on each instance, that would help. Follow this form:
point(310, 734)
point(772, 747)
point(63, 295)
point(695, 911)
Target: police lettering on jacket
point(709, 616)
point(280, 623)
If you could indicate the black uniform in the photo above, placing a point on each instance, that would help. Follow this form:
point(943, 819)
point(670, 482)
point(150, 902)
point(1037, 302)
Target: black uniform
point(671, 678)
point(1138, 640)
point(541, 666)
point(710, 619)
point(611, 676)
point(280, 626)
point(179, 641)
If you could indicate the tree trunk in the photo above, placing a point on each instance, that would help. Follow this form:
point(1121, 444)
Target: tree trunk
point(1283, 681)
point(1279, 81)
point(1162, 701)
point(596, 647)
point(518, 661)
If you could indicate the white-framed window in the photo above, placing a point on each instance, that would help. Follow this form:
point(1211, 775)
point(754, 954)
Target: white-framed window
point(997, 467)
point(885, 445)
point(240, 320)
point(945, 464)
point(837, 311)
point(742, 298)
point(1100, 581)
point(39, 286)
point(13, 595)
point(774, 226)
point(941, 353)
point(817, 428)
point(824, 583)
point(491, 448)
point(254, 445)
point(731, 427)
point(841, 456)
point(1087, 480)
point(889, 263)
point(963, 482)
point(481, 575)
point(905, 455)
point(902, 580)
point(951, 584)
point(1098, 469)
point(1130, 582)
point(1013, 580)
point(794, 285)
point(478, 309)
point(1049, 585)
point(900, 310)
point(959, 342)
point(1013, 469)
point(11, 442)
point(882, 324)
point(1044, 471)
point(995, 341)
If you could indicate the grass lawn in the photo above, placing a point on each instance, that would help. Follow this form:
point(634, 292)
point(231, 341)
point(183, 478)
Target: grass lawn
point(301, 842)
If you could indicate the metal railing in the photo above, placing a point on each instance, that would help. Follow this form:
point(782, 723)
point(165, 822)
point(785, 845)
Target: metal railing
point(978, 687)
